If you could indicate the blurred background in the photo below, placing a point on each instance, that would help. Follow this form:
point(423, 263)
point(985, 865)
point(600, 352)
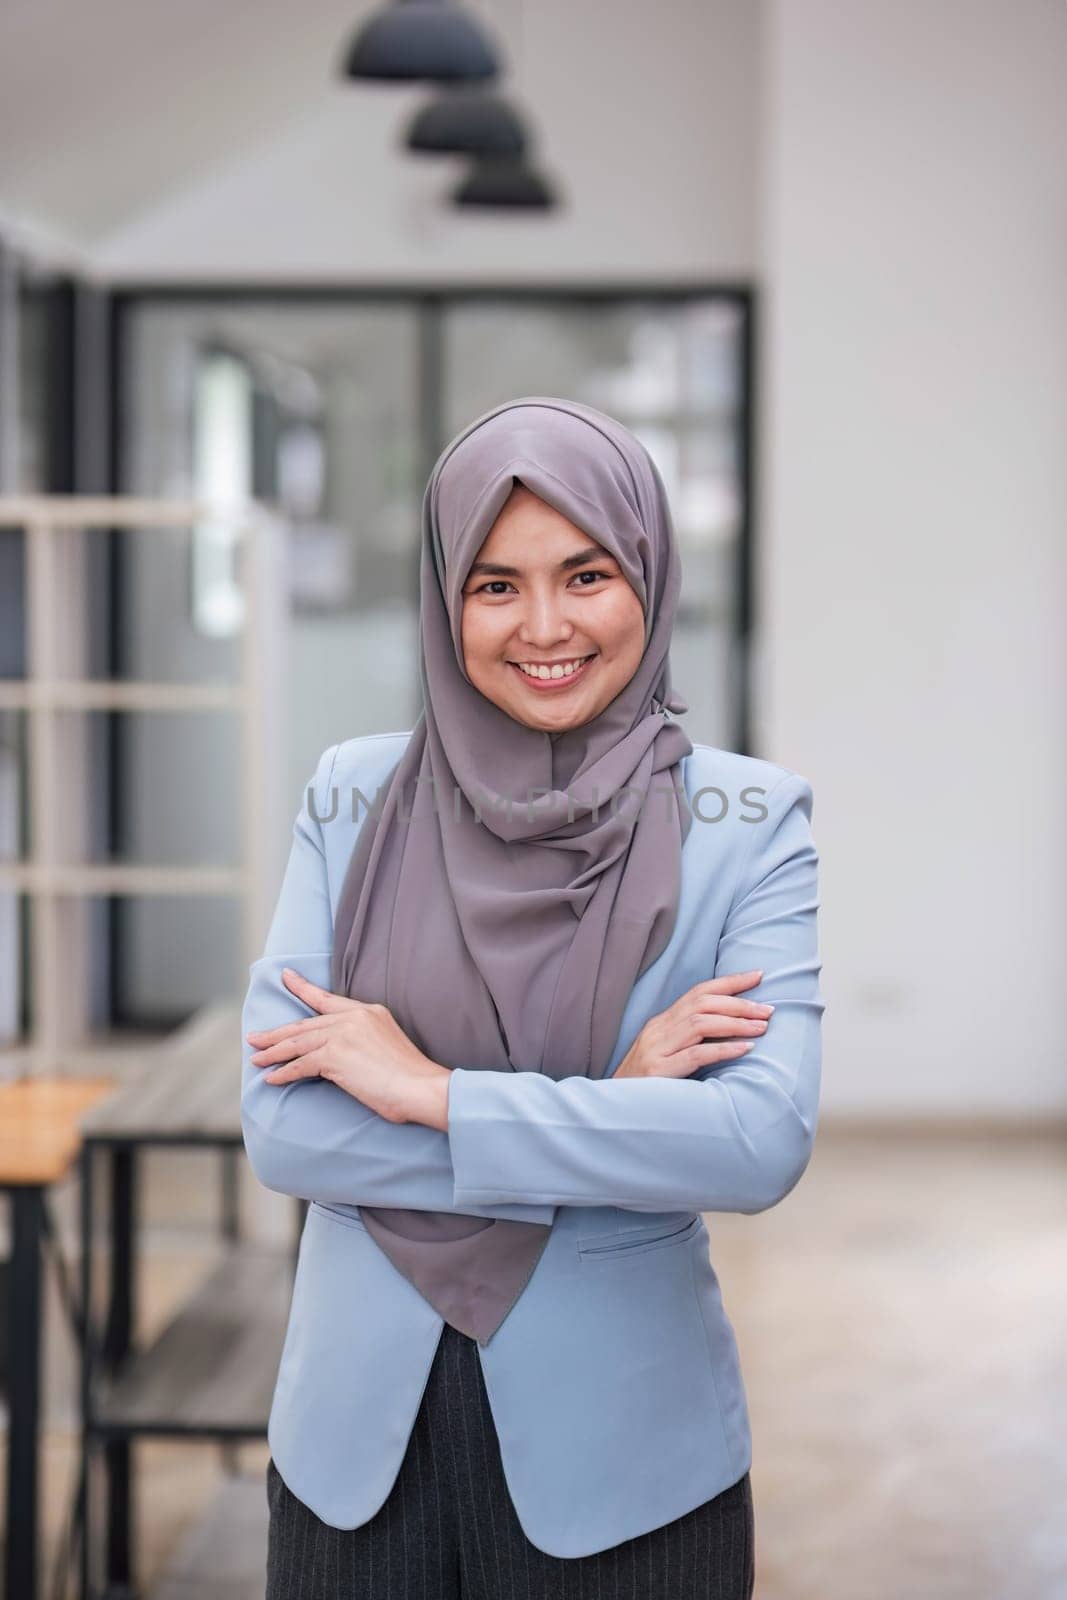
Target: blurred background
point(258, 263)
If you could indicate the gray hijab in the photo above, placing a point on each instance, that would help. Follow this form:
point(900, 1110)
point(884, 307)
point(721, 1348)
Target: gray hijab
point(512, 943)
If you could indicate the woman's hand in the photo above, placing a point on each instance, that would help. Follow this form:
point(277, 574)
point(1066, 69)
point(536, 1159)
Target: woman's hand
point(700, 1029)
point(359, 1046)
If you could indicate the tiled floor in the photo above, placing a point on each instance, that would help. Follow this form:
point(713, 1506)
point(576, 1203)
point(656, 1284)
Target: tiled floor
point(902, 1320)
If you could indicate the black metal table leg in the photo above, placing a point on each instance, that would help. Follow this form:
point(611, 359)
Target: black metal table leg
point(88, 1355)
point(25, 1339)
point(118, 1341)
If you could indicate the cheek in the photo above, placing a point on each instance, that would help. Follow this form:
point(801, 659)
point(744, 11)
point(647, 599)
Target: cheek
point(480, 638)
point(624, 624)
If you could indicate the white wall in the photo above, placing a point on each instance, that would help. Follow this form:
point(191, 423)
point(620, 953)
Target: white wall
point(915, 512)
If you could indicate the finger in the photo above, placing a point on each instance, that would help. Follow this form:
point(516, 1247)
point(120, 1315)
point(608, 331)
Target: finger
point(710, 1054)
point(267, 1036)
point(704, 1055)
point(720, 1027)
point(295, 1071)
point(288, 1049)
point(684, 1062)
point(726, 1005)
point(318, 998)
point(732, 982)
point(705, 1025)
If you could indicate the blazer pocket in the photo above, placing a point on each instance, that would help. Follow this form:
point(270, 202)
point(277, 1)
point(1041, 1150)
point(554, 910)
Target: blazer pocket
point(594, 1247)
point(340, 1213)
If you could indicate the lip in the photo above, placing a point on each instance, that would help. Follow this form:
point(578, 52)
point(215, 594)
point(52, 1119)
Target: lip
point(550, 685)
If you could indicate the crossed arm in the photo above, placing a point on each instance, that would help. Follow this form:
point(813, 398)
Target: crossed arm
point(735, 1137)
point(310, 1138)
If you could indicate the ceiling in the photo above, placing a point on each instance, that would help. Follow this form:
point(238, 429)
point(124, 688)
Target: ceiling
point(107, 104)
point(198, 140)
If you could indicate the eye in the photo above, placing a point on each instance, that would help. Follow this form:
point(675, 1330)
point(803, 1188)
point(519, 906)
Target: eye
point(588, 572)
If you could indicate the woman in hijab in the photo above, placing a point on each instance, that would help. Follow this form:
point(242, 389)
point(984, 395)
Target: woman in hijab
point(520, 873)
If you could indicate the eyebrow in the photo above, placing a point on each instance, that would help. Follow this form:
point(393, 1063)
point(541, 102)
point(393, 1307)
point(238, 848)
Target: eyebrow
point(579, 559)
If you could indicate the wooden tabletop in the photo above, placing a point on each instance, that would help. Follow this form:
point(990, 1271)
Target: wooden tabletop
point(39, 1132)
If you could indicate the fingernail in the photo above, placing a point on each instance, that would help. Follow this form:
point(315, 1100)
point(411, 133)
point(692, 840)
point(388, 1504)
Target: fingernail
point(287, 972)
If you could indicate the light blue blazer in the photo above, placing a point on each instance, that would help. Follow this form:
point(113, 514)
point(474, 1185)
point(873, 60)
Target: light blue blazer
point(614, 1380)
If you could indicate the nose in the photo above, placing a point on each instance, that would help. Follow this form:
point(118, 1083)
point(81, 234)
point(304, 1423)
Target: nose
point(544, 622)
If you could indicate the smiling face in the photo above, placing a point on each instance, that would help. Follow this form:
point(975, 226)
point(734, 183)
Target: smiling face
point(542, 592)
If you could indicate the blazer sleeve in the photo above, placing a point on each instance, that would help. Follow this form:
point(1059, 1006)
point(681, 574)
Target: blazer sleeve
point(312, 1139)
point(730, 1137)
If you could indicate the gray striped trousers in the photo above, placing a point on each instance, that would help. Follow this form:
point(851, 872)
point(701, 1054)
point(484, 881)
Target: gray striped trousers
point(448, 1529)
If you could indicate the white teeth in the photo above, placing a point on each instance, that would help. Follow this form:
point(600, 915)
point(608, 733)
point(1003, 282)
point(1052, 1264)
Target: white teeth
point(562, 669)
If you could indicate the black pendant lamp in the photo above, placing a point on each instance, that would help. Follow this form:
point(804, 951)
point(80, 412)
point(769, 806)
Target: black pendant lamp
point(411, 40)
point(506, 183)
point(467, 122)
